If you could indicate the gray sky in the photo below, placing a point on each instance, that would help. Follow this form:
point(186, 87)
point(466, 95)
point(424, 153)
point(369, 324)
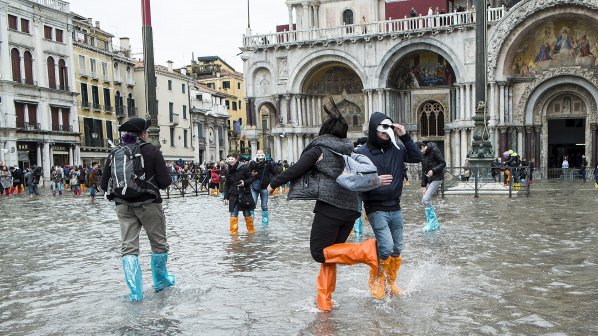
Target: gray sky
point(180, 27)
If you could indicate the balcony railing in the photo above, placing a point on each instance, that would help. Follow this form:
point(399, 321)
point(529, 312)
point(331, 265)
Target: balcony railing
point(107, 108)
point(121, 110)
point(55, 4)
point(406, 26)
point(64, 88)
point(174, 119)
point(117, 80)
point(29, 126)
point(106, 78)
point(94, 75)
point(85, 105)
point(132, 111)
point(62, 128)
point(96, 106)
point(130, 82)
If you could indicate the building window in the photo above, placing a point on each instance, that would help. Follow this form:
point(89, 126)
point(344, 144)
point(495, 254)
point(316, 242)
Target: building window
point(109, 132)
point(131, 105)
point(185, 138)
point(63, 77)
point(105, 70)
point(184, 111)
point(15, 58)
point(48, 32)
point(28, 67)
point(82, 64)
point(169, 85)
point(240, 106)
point(107, 99)
point(171, 111)
point(348, 17)
point(25, 25)
point(200, 130)
point(239, 86)
point(234, 106)
point(227, 103)
point(51, 73)
point(12, 22)
point(59, 35)
point(183, 87)
point(226, 85)
point(92, 63)
point(199, 97)
point(210, 85)
point(84, 96)
point(172, 137)
point(431, 120)
point(95, 96)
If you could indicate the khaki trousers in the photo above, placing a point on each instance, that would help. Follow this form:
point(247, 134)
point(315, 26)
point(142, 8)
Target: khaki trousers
point(131, 219)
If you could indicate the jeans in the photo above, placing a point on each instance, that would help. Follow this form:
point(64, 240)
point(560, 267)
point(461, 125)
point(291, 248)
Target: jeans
point(92, 191)
point(263, 196)
point(235, 212)
point(430, 191)
point(388, 228)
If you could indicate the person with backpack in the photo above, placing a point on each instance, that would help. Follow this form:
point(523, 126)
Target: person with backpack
point(263, 171)
point(214, 180)
point(432, 177)
point(383, 205)
point(336, 207)
point(133, 176)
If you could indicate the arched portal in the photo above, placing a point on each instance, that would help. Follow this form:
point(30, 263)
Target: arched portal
point(267, 120)
point(344, 85)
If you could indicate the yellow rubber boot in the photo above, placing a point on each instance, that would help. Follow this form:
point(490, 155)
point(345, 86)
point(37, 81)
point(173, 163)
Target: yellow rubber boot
point(249, 223)
point(391, 275)
point(234, 225)
point(377, 282)
point(326, 284)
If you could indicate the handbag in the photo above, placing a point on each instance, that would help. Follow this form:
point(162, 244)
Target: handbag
point(257, 184)
point(245, 199)
point(305, 187)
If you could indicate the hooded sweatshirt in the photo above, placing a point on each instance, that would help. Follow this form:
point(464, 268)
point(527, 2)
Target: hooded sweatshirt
point(434, 161)
point(389, 160)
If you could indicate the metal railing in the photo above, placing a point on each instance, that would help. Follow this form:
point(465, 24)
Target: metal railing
point(85, 104)
point(96, 106)
point(407, 26)
point(121, 110)
point(107, 108)
point(29, 126)
point(187, 184)
point(61, 128)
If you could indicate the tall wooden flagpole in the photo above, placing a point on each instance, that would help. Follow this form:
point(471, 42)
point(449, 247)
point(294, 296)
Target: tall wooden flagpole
point(149, 73)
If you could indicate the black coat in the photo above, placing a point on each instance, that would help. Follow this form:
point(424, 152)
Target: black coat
point(234, 175)
point(434, 161)
point(265, 171)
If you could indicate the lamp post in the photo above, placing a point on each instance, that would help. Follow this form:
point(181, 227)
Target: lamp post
point(481, 153)
point(150, 73)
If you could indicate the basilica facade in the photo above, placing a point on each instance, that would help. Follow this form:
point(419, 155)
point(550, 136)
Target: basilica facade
point(376, 55)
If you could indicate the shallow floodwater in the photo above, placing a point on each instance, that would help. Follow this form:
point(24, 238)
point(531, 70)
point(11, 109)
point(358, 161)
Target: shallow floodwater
point(498, 266)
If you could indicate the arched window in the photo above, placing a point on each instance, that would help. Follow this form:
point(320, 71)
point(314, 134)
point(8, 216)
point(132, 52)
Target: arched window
point(63, 75)
point(15, 58)
point(51, 73)
point(131, 105)
point(28, 67)
point(431, 120)
point(348, 17)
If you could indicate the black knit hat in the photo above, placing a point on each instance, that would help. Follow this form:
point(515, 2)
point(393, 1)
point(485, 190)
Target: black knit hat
point(136, 125)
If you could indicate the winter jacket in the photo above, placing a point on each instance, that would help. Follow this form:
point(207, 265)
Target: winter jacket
point(234, 175)
point(264, 171)
point(434, 161)
point(389, 160)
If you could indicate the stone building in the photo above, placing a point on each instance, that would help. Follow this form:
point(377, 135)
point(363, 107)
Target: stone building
point(210, 118)
point(38, 101)
point(372, 55)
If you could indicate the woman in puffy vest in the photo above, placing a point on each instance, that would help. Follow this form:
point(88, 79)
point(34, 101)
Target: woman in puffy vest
point(336, 208)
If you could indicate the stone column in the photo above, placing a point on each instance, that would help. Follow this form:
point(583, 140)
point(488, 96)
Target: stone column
point(46, 163)
point(528, 143)
point(22, 65)
point(464, 144)
point(594, 150)
point(492, 102)
point(71, 159)
point(447, 147)
point(458, 162)
point(501, 102)
point(299, 145)
point(519, 130)
point(289, 148)
point(217, 141)
point(538, 140)
point(278, 111)
point(290, 17)
point(472, 108)
point(366, 107)
point(299, 110)
point(60, 118)
point(467, 101)
point(57, 76)
point(370, 103)
point(380, 93)
point(287, 98)
point(252, 145)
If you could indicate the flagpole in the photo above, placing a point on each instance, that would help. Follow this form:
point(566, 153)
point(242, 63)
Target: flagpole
point(150, 73)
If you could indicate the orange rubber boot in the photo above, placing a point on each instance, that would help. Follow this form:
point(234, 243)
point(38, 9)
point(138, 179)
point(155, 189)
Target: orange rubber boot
point(350, 254)
point(249, 223)
point(391, 275)
point(326, 284)
point(234, 225)
point(377, 282)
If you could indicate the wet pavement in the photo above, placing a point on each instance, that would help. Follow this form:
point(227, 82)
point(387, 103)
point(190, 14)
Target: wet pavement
point(498, 266)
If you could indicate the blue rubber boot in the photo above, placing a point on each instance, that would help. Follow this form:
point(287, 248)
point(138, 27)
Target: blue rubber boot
point(160, 276)
point(431, 220)
point(133, 277)
point(265, 219)
point(358, 227)
point(252, 214)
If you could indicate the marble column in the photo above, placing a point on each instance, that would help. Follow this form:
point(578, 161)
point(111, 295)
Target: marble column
point(464, 144)
point(461, 102)
point(290, 17)
point(538, 143)
point(519, 130)
point(458, 162)
point(299, 110)
point(501, 102)
point(467, 101)
point(594, 150)
point(289, 154)
point(287, 99)
point(492, 102)
point(380, 93)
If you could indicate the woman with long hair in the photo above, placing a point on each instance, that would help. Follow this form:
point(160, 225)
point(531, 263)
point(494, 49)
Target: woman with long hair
point(336, 208)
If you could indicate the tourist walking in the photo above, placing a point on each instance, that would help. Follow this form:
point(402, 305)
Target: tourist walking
point(238, 180)
point(92, 181)
point(583, 168)
point(5, 181)
point(57, 184)
point(383, 205)
point(18, 179)
point(336, 208)
point(74, 181)
point(135, 191)
point(433, 166)
point(262, 171)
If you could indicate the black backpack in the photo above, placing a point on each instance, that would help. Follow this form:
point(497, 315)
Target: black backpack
point(127, 176)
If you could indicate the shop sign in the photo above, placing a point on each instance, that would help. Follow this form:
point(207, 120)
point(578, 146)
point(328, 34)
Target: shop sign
point(201, 143)
point(24, 146)
point(60, 148)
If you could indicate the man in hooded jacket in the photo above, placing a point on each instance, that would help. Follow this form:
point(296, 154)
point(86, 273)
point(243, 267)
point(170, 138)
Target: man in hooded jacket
point(383, 205)
point(432, 176)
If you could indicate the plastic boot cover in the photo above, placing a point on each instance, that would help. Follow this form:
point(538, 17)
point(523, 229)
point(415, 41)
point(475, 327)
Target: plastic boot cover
point(133, 279)
point(265, 219)
point(432, 220)
point(358, 227)
point(351, 254)
point(391, 275)
point(326, 284)
point(377, 282)
point(249, 223)
point(234, 225)
point(160, 276)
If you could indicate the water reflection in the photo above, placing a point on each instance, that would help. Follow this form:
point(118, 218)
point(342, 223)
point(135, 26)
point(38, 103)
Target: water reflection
point(524, 266)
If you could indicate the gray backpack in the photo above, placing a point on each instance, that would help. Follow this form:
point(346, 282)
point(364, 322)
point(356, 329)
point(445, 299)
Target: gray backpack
point(127, 176)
